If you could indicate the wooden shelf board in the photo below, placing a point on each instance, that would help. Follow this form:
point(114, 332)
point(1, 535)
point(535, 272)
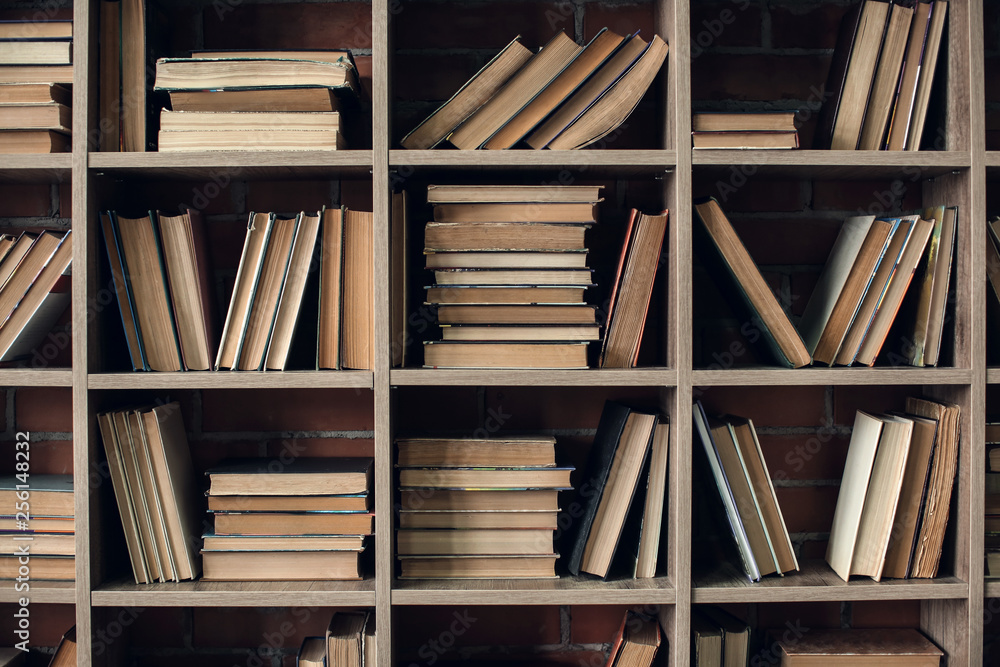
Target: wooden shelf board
point(565, 590)
point(541, 378)
point(832, 164)
point(233, 380)
point(992, 160)
point(234, 165)
point(31, 377)
point(907, 375)
point(817, 582)
point(37, 168)
point(992, 588)
point(126, 593)
point(993, 376)
point(606, 161)
point(45, 592)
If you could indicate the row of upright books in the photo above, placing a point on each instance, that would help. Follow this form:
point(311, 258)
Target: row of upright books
point(40, 521)
point(886, 279)
point(564, 96)
point(164, 285)
point(510, 274)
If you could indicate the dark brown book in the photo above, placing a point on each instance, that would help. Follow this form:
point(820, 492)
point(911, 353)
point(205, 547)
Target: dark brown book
point(110, 75)
point(833, 90)
point(889, 647)
point(316, 99)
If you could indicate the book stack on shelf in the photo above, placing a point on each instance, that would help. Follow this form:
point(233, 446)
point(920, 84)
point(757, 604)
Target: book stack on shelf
point(565, 96)
point(863, 297)
point(619, 531)
point(892, 510)
point(35, 118)
point(882, 75)
point(41, 523)
point(349, 641)
point(905, 647)
point(34, 288)
point(718, 639)
point(149, 460)
point(736, 468)
point(510, 269)
point(763, 129)
point(478, 508)
point(307, 519)
point(264, 100)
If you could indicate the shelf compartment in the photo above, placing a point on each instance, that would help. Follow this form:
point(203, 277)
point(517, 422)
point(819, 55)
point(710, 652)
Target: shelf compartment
point(41, 168)
point(126, 593)
point(816, 582)
point(850, 165)
point(50, 592)
point(650, 377)
point(237, 165)
point(905, 375)
point(31, 377)
point(233, 380)
point(566, 590)
point(628, 161)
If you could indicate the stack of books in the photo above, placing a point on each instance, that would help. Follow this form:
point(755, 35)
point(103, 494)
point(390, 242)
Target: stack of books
point(349, 641)
point(857, 647)
point(763, 129)
point(892, 510)
point(35, 117)
point(565, 96)
point(510, 268)
point(733, 463)
point(881, 76)
point(860, 298)
point(155, 488)
point(622, 493)
point(36, 52)
point(474, 508)
point(302, 520)
point(35, 278)
point(39, 522)
point(246, 100)
point(718, 639)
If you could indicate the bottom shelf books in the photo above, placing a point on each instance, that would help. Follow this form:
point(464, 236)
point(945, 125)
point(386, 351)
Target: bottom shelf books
point(474, 508)
point(637, 642)
point(43, 528)
point(349, 642)
point(306, 519)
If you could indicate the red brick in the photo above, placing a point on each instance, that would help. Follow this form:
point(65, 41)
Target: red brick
point(778, 406)
point(281, 628)
point(288, 197)
point(322, 447)
point(875, 197)
point(788, 241)
point(44, 409)
point(808, 614)
point(759, 195)
point(809, 27)
point(750, 77)
point(48, 622)
point(872, 399)
point(341, 25)
point(591, 624)
point(211, 196)
point(206, 454)
point(808, 509)
point(447, 25)
point(622, 19)
point(486, 626)
point(287, 410)
point(24, 200)
point(819, 456)
point(158, 627)
point(886, 614)
point(530, 408)
point(724, 24)
point(48, 457)
point(431, 76)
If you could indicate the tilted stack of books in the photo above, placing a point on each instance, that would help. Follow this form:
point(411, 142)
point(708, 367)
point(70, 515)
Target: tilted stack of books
point(474, 508)
point(39, 524)
point(510, 268)
point(892, 510)
point(565, 96)
point(34, 288)
point(36, 70)
point(762, 129)
point(860, 301)
point(257, 100)
point(733, 463)
point(881, 76)
point(149, 460)
point(301, 520)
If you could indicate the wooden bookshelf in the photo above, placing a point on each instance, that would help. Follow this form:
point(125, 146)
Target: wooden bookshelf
point(951, 606)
